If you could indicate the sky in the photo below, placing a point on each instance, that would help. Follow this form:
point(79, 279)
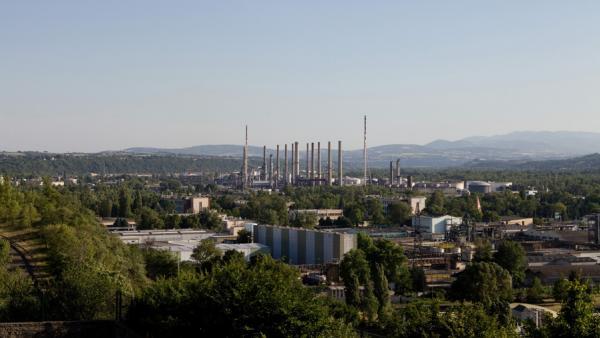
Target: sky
point(107, 75)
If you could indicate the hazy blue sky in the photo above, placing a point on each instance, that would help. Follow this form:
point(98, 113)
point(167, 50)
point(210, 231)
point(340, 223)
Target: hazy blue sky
point(97, 75)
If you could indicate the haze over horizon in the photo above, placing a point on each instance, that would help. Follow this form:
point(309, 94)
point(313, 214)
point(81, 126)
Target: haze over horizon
point(112, 75)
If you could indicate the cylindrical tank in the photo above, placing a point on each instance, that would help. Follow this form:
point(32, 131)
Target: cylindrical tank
point(480, 187)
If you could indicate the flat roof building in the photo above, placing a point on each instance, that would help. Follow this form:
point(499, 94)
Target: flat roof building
point(303, 246)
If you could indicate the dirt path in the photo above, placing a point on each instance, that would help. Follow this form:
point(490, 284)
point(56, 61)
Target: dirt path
point(20, 259)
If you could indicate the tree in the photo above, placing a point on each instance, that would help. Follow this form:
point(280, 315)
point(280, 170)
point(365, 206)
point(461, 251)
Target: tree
point(28, 215)
point(419, 281)
point(172, 221)
point(485, 283)
point(18, 298)
point(355, 263)
point(399, 212)
point(511, 256)
point(304, 220)
point(576, 317)
point(483, 251)
point(160, 263)
point(121, 222)
point(244, 236)
point(436, 204)
point(207, 255)
point(210, 219)
point(355, 213)
point(393, 261)
point(560, 290)
point(124, 203)
point(375, 211)
point(381, 291)
point(138, 202)
point(577, 314)
point(352, 290)
point(364, 242)
point(4, 253)
point(149, 219)
point(535, 294)
point(264, 298)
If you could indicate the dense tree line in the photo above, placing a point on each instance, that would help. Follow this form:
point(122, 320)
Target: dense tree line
point(45, 164)
point(86, 265)
point(233, 298)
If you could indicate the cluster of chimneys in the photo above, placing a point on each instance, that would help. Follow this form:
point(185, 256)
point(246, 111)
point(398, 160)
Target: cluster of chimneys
point(395, 174)
point(314, 175)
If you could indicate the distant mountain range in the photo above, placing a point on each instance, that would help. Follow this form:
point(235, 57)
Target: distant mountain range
point(582, 163)
point(512, 149)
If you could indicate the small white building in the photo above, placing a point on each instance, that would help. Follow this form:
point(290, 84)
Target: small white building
point(429, 225)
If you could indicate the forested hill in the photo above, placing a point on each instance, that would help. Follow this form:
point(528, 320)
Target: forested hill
point(578, 164)
point(34, 163)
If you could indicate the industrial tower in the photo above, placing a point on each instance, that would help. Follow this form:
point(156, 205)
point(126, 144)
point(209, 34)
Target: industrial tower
point(365, 151)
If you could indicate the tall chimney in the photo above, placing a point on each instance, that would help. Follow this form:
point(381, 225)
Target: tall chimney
point(312, 162)
point(271, 168)
point(285, 166)
point(319, 161)
point(398, 172)
point(277, 168)
point(245, 162)
point(329, 165)
point(297, 163)
point(391, 173)
point(307, 160)
point(340, 166)
point(264, 166)
point(293, 177)
point(365, 151)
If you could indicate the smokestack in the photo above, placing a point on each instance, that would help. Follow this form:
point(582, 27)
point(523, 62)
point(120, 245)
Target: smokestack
point(245, 162)
point(312, 161)
point(297, 163)
point(409, 182)
point(271, 168)
point(340, 166)
point(307, 160)
point(365, 151)
point(319, 161)
point(285, 165)
point(391, 173)
point(292, 162)
point(277, 168)
point(329, 166)
point(264, 166)
point(398, 172)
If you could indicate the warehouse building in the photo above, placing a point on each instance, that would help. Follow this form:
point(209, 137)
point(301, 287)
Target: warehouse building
point(304, 246)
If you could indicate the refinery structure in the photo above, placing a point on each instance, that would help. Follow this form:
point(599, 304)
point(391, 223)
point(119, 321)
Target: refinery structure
point(305, 164)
